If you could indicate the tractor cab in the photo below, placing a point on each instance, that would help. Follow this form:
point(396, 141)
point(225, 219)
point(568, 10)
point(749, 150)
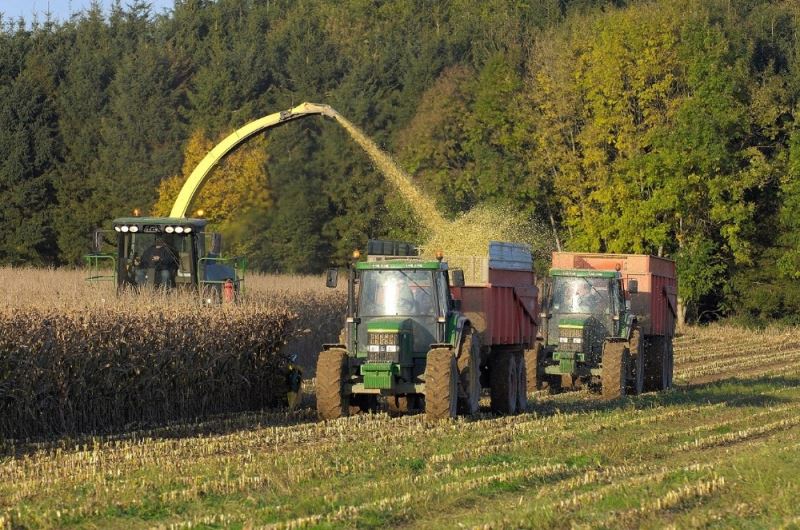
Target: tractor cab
point(584, 308)
point(165, 253)
point(399, 307)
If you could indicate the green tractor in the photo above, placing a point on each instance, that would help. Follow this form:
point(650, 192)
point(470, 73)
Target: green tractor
point(601, 329)
point(406, 337)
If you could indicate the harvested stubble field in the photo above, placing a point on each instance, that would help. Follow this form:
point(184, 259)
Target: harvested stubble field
point(720, 450)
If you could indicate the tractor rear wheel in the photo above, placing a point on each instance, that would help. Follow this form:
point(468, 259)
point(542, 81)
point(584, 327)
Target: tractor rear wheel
point(522, 382)
point(441, 384)
point(636, 363)
point(331, 373)
point(614, 369)
point(503, 383)
point(532, 360)
point(469, 373)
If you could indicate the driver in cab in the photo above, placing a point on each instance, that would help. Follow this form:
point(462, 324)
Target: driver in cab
point(582, 299)
point(163, 259)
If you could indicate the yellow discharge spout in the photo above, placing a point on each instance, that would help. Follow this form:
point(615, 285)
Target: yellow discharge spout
point(422, 205)
point(195, 181)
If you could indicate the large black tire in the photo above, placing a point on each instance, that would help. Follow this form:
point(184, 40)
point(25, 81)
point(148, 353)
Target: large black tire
point(441, 384)
point(533, 358)
point(614, 369)
point(503, 383)
point(331, 373)
point(469, 373)
point(522, 382)
point(635, 383)
point(658, 364)
point(654, 359)
point(670, 364)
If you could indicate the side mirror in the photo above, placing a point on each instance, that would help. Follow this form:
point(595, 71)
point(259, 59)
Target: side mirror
point(633, 286)
point(97, 240)
point(457, 278)
point(216, 244)
point(332, 278)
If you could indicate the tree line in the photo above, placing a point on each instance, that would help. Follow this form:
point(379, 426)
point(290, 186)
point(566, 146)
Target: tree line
point(661, 126)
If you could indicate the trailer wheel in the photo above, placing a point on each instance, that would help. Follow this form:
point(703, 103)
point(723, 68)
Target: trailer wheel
point(635, 363)
point(441, 384)
point(532, 360)
point(522, 382)
point(670, 364)
point(614, 369)
point(331, 373)
point(469, 373)
point(654, 364)
point(503, 383)
point(658, 364)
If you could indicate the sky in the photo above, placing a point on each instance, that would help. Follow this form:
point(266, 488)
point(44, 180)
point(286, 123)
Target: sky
point(61, 9)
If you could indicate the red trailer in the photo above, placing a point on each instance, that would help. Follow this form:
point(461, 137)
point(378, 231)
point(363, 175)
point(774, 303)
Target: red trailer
point(500, 296)
point(500, 299)
point(653, 301)
point(656, 303)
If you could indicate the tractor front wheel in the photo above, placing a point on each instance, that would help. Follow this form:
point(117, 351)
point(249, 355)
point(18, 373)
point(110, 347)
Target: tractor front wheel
point(399, 404)
point(441, 384)
point(532, 360)
point(331, 373)
point(614, 369)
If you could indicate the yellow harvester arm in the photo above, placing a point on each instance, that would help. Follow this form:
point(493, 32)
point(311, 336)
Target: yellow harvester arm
point(201, 172)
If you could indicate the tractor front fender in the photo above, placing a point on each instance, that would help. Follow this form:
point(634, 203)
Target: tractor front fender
point(630, 325)
point(461, 324)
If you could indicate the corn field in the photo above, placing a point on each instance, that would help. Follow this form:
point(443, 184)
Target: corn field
point(86, 361)
point(721, 450)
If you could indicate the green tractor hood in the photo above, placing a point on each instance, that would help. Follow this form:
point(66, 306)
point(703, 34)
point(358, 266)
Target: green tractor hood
point(389, 325)
point(389, 343)
point(572, 322)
